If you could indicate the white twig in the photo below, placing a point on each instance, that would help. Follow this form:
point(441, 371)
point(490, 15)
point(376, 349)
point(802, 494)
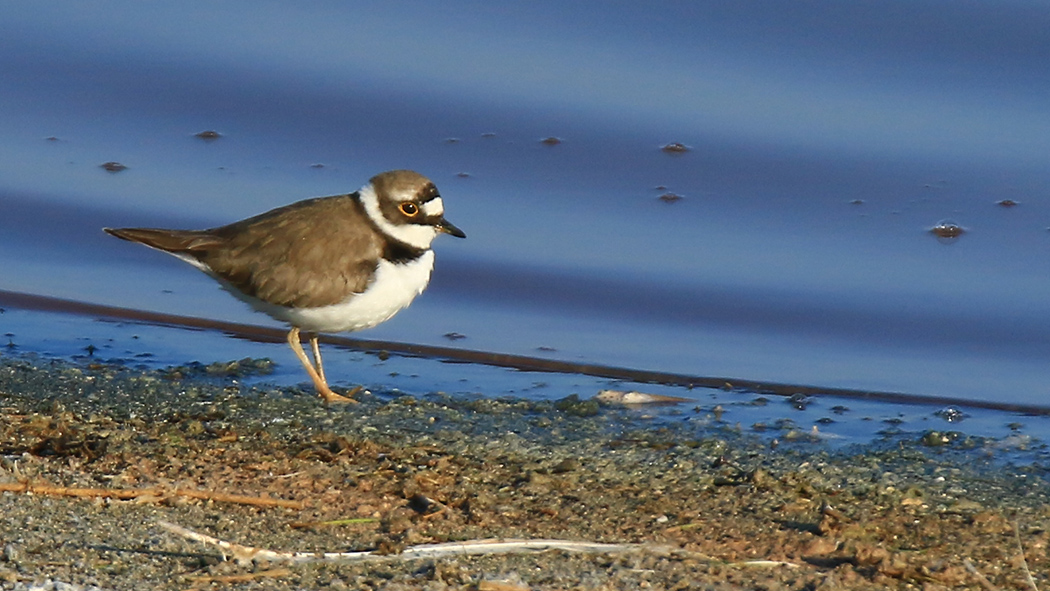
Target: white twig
point(248, 554)
point(765, 563)
point(1024, 561)
point(983, 580)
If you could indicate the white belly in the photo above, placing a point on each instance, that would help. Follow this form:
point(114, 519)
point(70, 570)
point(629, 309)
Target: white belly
point(394, 287)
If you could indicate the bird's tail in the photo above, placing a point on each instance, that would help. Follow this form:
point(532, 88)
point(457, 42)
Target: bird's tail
point(173, 241)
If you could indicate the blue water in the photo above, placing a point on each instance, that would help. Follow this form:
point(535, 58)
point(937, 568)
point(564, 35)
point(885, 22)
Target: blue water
point(826, 139)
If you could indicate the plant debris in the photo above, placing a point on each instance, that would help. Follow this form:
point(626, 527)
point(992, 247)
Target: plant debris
point(394, 474)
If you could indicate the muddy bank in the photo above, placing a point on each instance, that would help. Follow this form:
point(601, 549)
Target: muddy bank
point(703, 502)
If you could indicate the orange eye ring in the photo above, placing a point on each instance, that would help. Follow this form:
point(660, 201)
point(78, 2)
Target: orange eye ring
point(410, 209)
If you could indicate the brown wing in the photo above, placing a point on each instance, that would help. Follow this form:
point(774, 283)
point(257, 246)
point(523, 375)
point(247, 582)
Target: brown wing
point(306, 254)
point(173, 241)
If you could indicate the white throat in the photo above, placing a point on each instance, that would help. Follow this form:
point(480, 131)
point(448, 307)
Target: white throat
point(419, 236)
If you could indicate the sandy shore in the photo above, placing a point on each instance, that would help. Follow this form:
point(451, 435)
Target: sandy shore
point(95, 457)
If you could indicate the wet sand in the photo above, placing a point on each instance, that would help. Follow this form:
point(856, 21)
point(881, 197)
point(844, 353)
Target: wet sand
point(716, 510)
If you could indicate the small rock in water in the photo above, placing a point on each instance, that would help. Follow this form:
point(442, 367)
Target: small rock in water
point(947, 230)
point(951, 414)
point(675, 148)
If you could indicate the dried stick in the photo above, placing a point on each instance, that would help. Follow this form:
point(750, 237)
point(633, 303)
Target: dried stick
point(247, 554)
point(124, 493)
point(983, 580)
point(1024, 561)
point(274, 573)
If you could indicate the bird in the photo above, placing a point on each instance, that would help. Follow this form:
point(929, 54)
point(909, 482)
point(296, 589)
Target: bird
point(322, 265)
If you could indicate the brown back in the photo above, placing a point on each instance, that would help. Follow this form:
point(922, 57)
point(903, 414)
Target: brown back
point(304, 255)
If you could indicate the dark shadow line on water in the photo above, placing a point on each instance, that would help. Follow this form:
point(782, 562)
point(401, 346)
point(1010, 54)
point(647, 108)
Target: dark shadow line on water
point(519, 362)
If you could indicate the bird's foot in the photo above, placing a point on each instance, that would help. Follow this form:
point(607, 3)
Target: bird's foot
point(331, 397)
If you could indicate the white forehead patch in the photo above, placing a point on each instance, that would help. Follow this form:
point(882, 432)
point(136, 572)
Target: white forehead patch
point(434, 207)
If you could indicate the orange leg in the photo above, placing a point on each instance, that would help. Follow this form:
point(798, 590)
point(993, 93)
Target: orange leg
point(316, 372)
point(317, 357)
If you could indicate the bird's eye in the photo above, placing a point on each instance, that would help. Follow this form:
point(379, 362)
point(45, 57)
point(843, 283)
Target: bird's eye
point(409, 209)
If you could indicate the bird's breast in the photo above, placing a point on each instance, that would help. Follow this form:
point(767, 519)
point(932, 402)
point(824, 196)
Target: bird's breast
point(394, 287)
